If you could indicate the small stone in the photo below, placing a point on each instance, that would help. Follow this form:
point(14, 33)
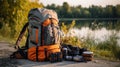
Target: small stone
point(95, 61)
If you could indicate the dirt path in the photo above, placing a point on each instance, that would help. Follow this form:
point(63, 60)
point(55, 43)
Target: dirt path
point(5, 61)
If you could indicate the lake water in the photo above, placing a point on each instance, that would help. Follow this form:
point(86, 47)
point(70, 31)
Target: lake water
point(99, 35)
point(98, 30)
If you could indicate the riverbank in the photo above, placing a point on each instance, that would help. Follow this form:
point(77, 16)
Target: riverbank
point(7, 49)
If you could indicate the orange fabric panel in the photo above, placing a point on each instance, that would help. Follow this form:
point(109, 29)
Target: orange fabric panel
point(41, 55)
point(50, 47)
point(41, 52)
point(32, 53)
point(37, 31)
point(46, 22)
point(55, 50)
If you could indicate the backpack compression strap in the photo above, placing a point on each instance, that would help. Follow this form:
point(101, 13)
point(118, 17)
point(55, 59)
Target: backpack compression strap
point(53, 31)
point(21, 35)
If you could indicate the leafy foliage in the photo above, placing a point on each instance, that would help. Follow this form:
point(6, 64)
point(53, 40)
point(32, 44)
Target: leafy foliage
point(108, 49)
point(66, 28)
point(66, 11)
point(13, 15)
point(71, 40)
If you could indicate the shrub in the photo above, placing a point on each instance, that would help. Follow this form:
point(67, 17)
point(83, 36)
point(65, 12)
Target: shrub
point(71, 40)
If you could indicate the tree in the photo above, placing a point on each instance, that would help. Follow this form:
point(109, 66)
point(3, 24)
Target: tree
point(117, 11)
point(66, 9)
point(76, 12)
point(13, 14)
point(109, 11)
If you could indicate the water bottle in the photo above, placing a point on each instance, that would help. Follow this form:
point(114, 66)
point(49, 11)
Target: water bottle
point(65, 53)
point(69, 58)
point(78, 58)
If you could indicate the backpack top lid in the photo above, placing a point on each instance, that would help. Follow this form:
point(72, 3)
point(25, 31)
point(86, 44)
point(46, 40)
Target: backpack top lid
point(42, 14)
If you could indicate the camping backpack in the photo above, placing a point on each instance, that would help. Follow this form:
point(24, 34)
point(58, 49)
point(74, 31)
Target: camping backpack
point(43, 41)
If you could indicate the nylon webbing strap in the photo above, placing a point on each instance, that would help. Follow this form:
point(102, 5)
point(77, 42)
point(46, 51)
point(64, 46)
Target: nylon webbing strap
point(36, 53)
point(21, 34)
point(22, 52)
point(53, 31)
point(45, 50)
point(42, 35)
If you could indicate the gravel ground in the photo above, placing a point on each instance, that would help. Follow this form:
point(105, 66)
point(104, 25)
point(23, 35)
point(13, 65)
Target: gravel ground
point(5, 61)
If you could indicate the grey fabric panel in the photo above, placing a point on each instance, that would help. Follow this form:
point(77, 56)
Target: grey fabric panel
point(51, 36)
point(32, 35)
point(39, 36)
point(34, 23)
point(47, 13)
point(34, 13)
point(48, 35)
point(42, 14)
point(31, 45)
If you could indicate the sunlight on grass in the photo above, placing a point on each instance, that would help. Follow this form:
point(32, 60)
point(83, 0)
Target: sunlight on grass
point(108, 49)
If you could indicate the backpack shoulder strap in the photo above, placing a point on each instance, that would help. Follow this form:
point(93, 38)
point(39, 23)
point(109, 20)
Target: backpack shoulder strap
point(21, 35)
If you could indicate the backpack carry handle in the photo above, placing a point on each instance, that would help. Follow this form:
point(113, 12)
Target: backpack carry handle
point(21, 35)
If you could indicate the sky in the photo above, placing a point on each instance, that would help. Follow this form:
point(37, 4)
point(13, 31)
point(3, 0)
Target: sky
point(83, 3)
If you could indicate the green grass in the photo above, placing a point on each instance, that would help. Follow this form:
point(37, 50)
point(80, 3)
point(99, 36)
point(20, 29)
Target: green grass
point(12, 41)
point(108, 49)
point(7, 39)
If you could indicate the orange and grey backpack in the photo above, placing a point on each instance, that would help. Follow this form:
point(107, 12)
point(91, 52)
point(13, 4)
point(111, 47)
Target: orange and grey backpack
point(43, 41)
